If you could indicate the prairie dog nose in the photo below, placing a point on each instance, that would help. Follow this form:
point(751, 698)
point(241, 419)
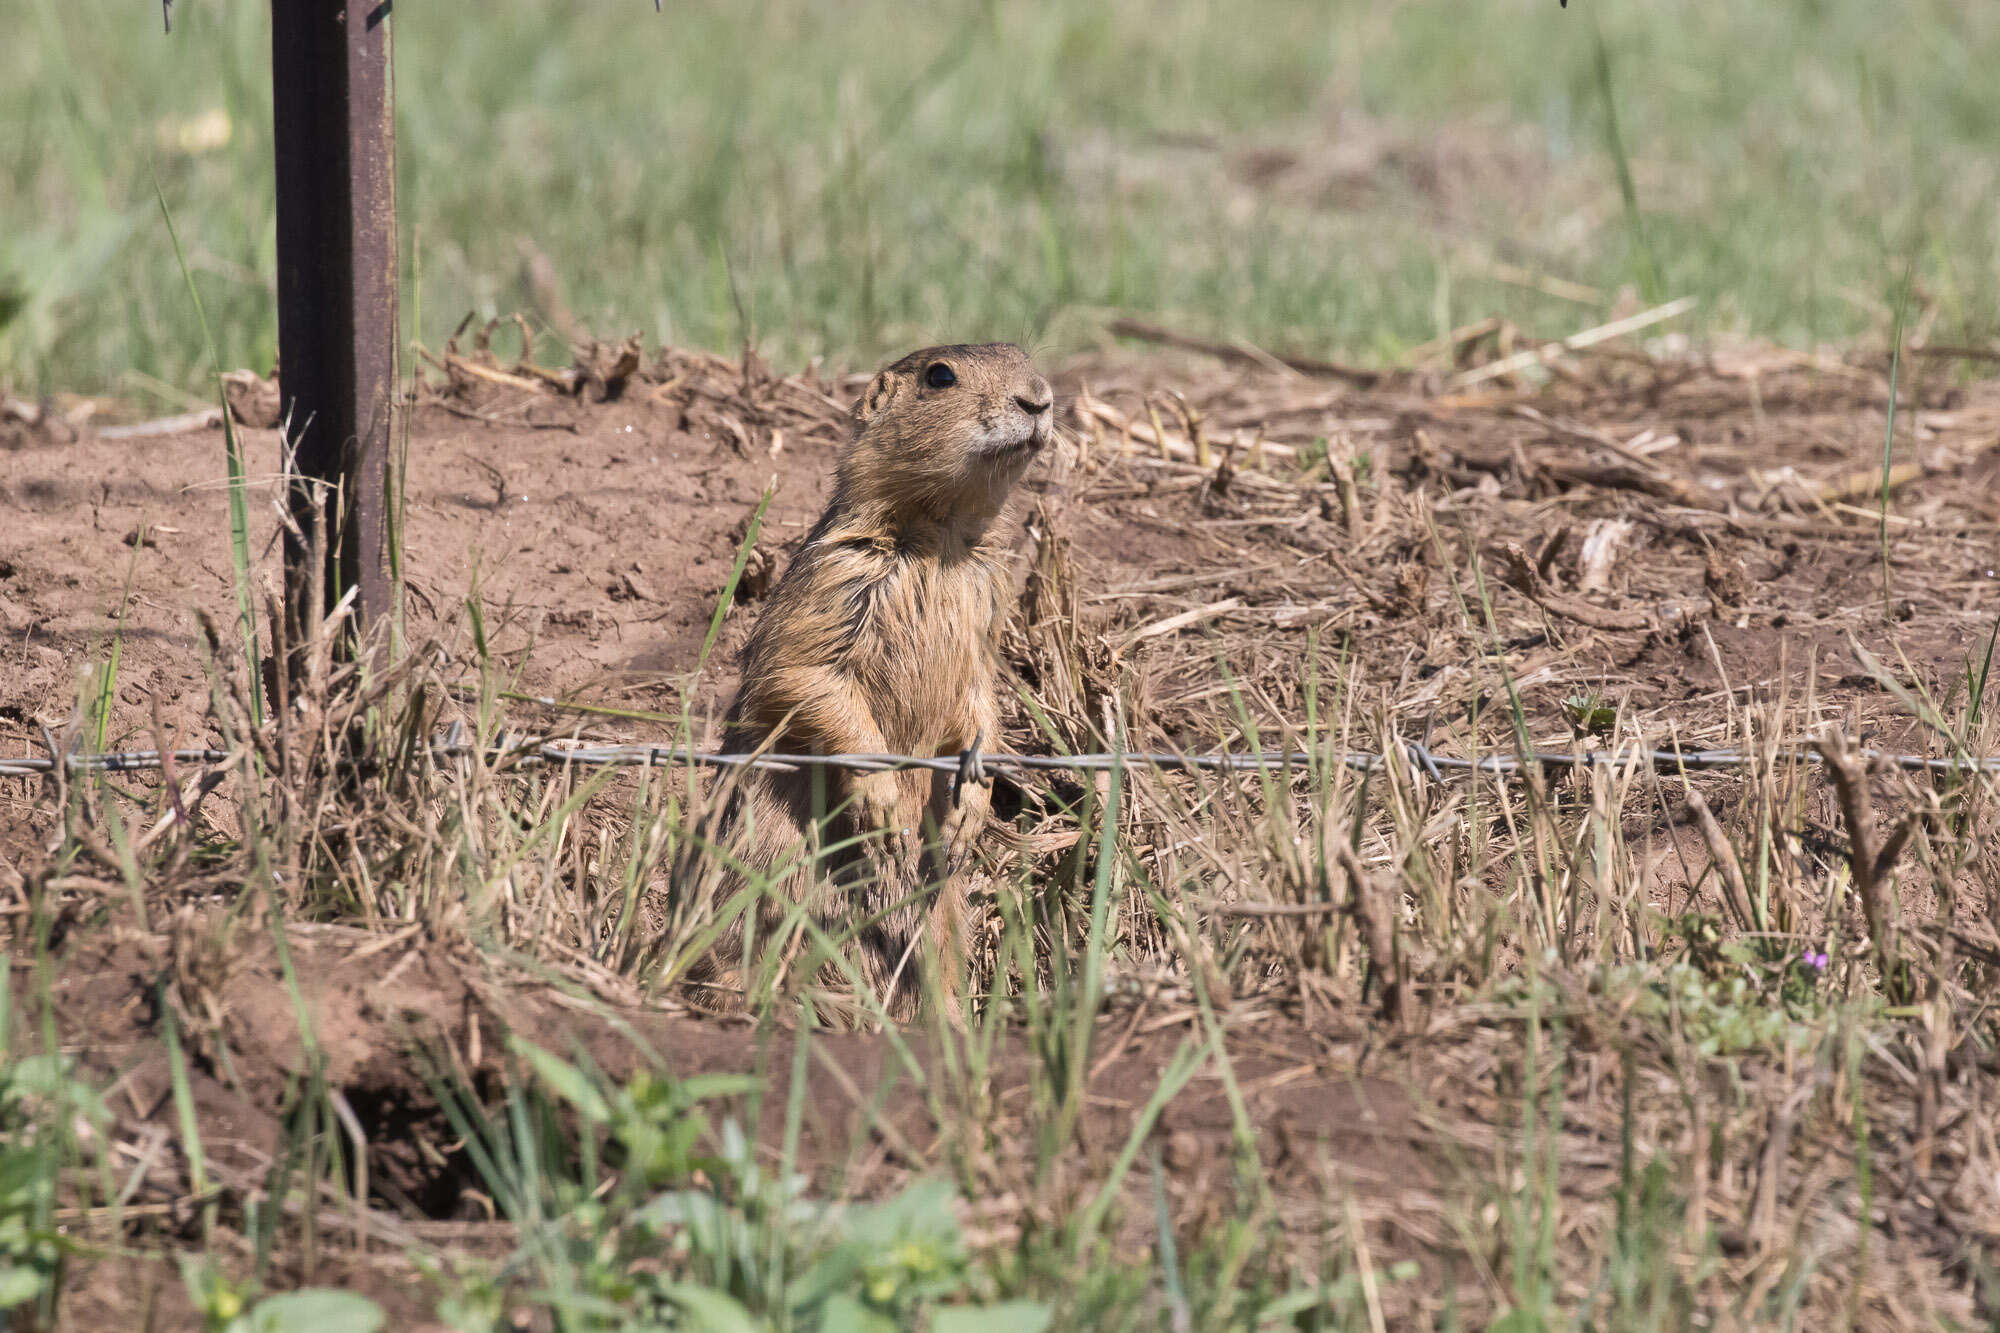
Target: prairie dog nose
point(1040, 401)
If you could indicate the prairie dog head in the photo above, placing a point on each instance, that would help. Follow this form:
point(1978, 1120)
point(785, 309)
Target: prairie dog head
point(948, 430)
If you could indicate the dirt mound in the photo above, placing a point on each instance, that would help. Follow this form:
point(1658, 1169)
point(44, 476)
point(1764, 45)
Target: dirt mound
point(383, 1021)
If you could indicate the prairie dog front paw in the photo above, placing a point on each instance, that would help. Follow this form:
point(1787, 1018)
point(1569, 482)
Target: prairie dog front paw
point(882, 806)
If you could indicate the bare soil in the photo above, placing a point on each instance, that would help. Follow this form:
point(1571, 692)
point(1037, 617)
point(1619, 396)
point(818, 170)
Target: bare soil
point(599, 536)
point(1737, 492)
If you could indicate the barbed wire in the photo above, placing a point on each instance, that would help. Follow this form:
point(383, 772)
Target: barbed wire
point(974, 765)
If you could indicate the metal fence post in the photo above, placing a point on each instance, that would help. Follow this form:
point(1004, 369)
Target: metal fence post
point(334, 109)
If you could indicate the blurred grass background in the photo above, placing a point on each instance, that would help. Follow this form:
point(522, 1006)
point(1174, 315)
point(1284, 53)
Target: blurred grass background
point(846, 178)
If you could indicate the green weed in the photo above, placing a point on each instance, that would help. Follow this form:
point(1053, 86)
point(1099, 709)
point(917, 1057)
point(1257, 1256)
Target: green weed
point(846, 182)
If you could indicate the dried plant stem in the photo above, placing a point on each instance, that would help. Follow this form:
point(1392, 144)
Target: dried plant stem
point(1871, 862)
point(1374, 904)
point(1727, 868)
point(1522, 575)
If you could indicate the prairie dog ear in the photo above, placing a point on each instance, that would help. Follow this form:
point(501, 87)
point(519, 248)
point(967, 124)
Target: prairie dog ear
point(880, 393)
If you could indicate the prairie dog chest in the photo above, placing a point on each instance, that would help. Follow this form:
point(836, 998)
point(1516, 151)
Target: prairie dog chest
point(927, 658)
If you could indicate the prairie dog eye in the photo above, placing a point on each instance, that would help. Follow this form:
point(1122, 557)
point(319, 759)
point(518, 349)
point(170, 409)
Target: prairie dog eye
point(940, 376)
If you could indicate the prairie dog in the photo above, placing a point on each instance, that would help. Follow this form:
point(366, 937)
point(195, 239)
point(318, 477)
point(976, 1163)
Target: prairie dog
point(882, 637)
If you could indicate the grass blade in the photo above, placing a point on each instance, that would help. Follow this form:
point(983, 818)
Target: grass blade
point(239, 504)
point(1889, 428)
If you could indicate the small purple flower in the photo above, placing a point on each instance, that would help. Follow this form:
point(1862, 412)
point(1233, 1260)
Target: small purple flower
point(1815, 960)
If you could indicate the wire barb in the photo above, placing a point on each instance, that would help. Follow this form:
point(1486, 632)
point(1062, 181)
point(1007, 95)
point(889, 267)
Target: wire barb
point(971, 768)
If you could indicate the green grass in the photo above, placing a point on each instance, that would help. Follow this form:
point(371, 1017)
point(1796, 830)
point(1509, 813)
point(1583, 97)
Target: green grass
point(645, 1202)
point(850, 179)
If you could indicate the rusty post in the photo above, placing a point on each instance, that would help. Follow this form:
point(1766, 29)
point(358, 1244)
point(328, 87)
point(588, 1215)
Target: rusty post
point(333, 102)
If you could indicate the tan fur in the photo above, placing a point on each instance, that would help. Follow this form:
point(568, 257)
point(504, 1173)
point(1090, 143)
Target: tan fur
point(882, 638)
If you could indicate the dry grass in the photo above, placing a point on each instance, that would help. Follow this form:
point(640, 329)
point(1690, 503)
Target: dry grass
point(1631, 1047)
